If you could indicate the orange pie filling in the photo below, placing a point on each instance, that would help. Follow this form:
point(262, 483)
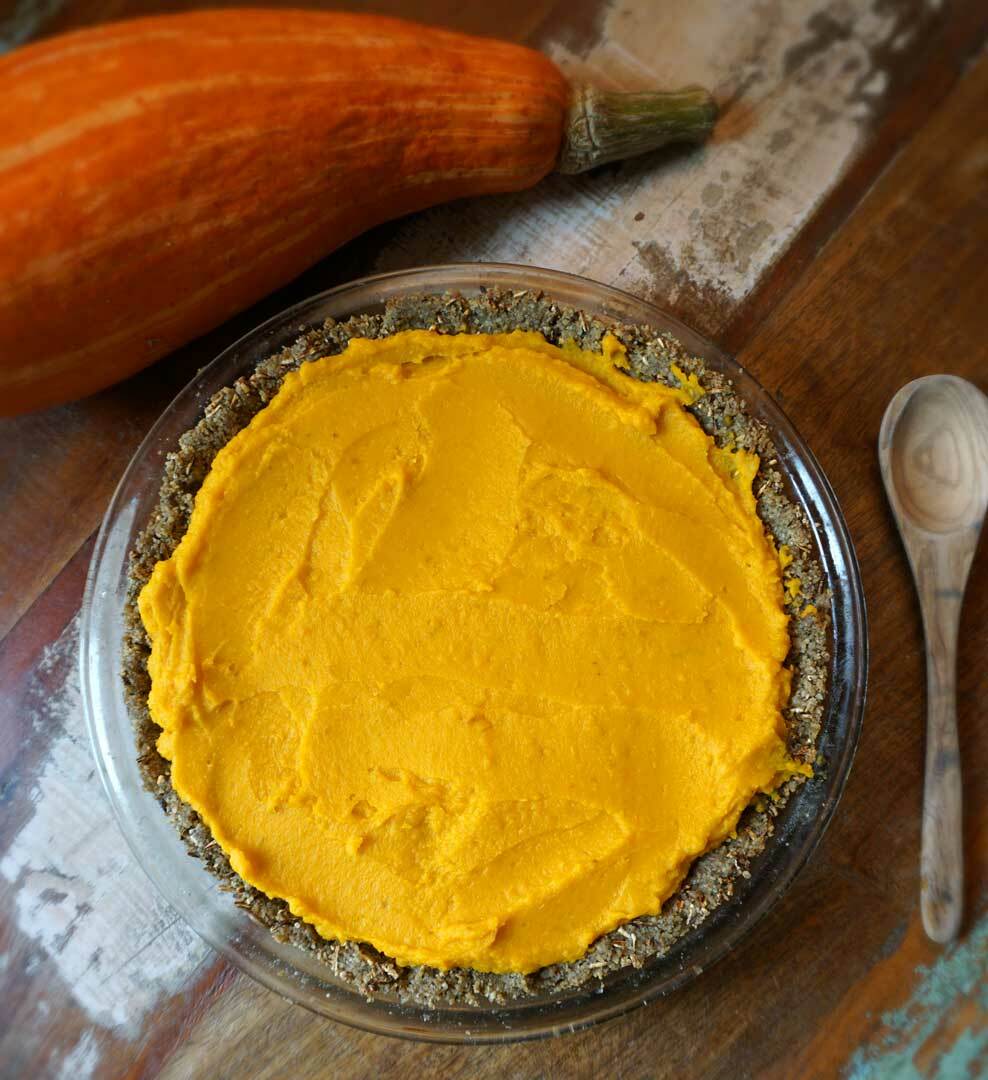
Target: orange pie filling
point(472, 646)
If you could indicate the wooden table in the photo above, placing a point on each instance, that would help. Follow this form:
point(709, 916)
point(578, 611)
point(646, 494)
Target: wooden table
point(834, 236)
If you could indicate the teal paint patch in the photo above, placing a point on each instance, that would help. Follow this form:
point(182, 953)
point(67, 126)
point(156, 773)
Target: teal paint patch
point(960, 974)
point(966, 1057)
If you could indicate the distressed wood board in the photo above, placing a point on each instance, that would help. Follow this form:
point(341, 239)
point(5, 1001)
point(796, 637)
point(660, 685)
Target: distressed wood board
point(833, 236)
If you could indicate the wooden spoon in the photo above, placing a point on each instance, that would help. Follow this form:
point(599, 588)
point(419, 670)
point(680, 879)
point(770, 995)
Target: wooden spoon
point(933, 452)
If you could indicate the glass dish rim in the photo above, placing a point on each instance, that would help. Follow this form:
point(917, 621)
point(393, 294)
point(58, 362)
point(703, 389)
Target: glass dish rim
point(250, 947)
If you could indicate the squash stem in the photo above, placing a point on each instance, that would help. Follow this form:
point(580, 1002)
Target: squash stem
point(603, 125)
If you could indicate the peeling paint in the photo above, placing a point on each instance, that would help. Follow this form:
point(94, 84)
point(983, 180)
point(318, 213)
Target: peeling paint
point(780, 140)
point(79, 897)
point(824, 32)
point(912, 1043)
point(712, 194)
point(799, 83)
point(82, 1061)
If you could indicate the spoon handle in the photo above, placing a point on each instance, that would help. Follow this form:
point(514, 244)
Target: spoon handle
point(942, 853)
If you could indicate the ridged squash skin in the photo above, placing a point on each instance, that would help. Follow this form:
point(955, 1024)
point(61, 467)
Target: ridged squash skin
point(161, 174)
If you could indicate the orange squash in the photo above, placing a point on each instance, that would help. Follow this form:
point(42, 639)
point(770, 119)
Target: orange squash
point(158, 175)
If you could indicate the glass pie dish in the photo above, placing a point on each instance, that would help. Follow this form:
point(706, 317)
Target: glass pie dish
point(301, 976)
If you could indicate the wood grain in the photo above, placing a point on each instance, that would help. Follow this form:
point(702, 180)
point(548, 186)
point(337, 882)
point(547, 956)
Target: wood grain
point(933, 453)
point(893, 297)
point(838, 308)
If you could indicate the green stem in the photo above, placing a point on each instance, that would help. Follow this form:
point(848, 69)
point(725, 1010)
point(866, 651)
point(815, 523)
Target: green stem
point(604, 126)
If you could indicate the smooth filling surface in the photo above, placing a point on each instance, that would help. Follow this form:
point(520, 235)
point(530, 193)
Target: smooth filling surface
point(472, 646)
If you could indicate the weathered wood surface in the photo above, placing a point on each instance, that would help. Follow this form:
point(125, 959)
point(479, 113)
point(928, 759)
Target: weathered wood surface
point(834, 295)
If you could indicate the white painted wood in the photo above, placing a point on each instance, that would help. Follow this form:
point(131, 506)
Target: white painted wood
point(695, 229)
point(77, 894)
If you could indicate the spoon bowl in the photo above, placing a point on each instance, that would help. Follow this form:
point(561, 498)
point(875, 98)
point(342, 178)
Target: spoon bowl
point(937, 461)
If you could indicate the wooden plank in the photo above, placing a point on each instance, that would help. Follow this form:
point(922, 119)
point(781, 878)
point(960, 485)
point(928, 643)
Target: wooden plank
point(896, 293)
point(899, 294)
point(921, 88)
point(57, 471)
point(90, 952)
